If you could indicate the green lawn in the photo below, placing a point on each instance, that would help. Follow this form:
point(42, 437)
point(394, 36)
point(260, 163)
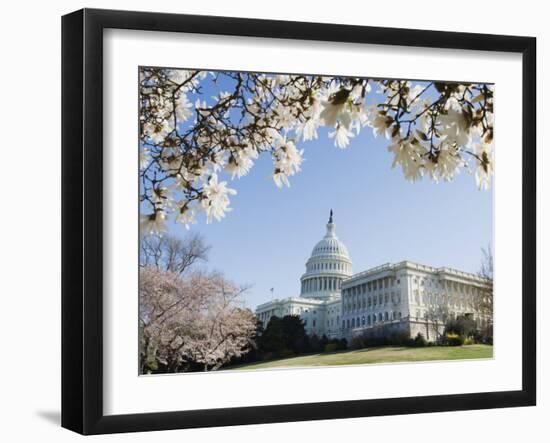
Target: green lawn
point(388, 354)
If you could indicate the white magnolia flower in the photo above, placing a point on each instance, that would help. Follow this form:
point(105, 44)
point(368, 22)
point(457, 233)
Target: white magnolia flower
point(186, 215)
point(379, 122)
point(357, 91)
point(280, 178)
point(183, 108)
point(216, 201)
point(144, 159)
point(162, 197)
point(179, 75)
point(215, 161)
point(454, 126)
point(308, 130)
point(449, 161)
point(279, 80)
point(407, 155)
point(484, 163)
point(336, 109)
point(341, 136)
point(415, 91)
point(287, 161)
point(240, 162)
point(285, 116)
point(157, 132)
point(170, 160)
point(154, 223)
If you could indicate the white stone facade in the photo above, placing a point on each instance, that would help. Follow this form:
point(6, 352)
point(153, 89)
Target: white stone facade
point(404, 296)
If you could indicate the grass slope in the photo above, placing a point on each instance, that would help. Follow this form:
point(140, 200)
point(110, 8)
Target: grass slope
point(389, 354)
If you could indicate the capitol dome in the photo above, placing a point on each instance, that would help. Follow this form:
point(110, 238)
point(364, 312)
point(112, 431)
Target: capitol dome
point(327, 266)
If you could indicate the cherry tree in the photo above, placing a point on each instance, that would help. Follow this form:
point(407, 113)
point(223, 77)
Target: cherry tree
point(196, 319)
point(196, 126)
point(223, 330)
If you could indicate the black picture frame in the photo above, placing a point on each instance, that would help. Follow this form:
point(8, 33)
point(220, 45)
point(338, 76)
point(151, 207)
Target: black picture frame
point(82, 219)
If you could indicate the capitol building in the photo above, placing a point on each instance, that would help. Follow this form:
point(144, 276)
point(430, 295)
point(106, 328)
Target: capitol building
point(406, 297)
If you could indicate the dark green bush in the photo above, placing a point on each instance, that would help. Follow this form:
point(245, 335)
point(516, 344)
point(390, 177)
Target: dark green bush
point(453, 339)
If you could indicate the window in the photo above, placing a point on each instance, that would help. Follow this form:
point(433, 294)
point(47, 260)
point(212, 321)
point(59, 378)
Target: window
point(313, 323)
point(363, 321)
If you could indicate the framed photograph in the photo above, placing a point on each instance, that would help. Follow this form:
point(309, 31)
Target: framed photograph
point(269, 221)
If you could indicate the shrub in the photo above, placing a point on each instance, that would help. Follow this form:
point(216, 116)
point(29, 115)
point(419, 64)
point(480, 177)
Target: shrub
point(331, 347)
point(453, 339)
point(468, 341)
point(284, 353)
point(419, 341)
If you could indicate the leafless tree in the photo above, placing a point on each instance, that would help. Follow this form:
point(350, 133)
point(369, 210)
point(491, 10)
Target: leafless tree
point(171, 253)
point(485, 300)
point(437, 315)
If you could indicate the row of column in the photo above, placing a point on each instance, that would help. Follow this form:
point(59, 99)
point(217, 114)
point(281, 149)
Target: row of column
point(315, 284)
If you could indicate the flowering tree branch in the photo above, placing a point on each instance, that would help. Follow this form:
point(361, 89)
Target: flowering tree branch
point(188, 134)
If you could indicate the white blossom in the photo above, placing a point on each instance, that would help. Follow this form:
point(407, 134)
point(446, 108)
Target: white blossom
point(448, 161)
point(407, 155)
point(157, 132)
point(433, 134)
point(216, 201)
point(484, 163)
point(334, 111)
point(454, 126)
point(240, 162)
point(154, 223)
point(183, 108)
point(341, 136)
point(186, 215)
point(144, 158)
point(380, 122)
point(287, 161)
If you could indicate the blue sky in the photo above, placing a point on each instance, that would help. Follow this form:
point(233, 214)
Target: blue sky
point(267, 238)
